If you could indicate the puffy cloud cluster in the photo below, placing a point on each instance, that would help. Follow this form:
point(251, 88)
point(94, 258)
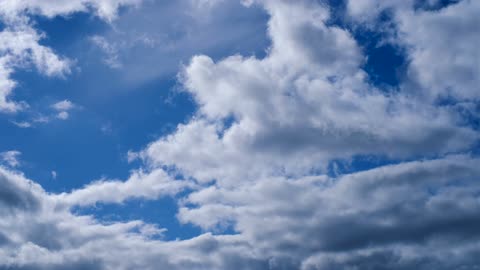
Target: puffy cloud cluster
point(421, 214)
point(441, 44)
point(37, 231)
point(254, 159)
point(303, 105)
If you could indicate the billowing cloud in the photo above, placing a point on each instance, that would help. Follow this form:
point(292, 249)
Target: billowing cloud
point(253, 161)
point(398, 216)
point(440, 67)
point(306, 103)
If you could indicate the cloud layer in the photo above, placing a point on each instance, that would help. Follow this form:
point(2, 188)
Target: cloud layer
point(252, 167)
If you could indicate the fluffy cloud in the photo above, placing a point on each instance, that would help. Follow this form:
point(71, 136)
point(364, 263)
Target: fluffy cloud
point(441, 44)
point(394, 216)
point(253, 161)
point(19, 47)
point(150, 185)
point(63, 107)
point(443, 52)
point(307, 102)
point(37, 232)
point(424, 206)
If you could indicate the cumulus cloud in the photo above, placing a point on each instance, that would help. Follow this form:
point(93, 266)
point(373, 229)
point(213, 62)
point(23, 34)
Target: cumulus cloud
point(393, 209)
point(254, 159)
point(395, 216)
point(37, 232)
point(306, 103)
point(448, 31)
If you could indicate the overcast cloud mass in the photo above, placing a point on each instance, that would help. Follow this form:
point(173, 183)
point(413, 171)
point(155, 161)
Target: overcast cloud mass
point(294, 151)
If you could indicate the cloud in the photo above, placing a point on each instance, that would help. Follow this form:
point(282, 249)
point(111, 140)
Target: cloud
point(393, 209)
point(253, 161)
point(395, 216)
point(429, 35)
point(105, 9)
point(19, 47)
point(306, 103)
point(171, 32)
point(426, 34)
point(63, 107)
point(11, 158)
point(150, 185)
point(44, 235)
point(22, 124)
point(63, 115)
point(20, 42)
point(110, 50)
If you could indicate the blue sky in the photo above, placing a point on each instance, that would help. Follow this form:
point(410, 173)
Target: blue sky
point(242, 134)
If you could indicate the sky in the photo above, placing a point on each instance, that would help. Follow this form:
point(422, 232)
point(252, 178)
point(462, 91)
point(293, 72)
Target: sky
point(239, 134)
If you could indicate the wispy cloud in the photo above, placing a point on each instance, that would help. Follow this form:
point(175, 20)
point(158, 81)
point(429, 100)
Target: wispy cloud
point(11, 158)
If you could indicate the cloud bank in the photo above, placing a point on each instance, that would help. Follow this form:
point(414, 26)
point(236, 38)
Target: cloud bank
point(251, 168)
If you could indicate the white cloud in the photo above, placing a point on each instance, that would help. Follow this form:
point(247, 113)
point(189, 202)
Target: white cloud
point(395, 215)
point(441, 44)
point(307, 102)
point(64, 105)
point(150, 185)
point(388, 208)
point(44, 235)
point(105, 9)
point(443, 49)
point(253, 159)
point(11, 158)
point(63, 115)
point(20, 42)
point(19, 47)
point(22, 124)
